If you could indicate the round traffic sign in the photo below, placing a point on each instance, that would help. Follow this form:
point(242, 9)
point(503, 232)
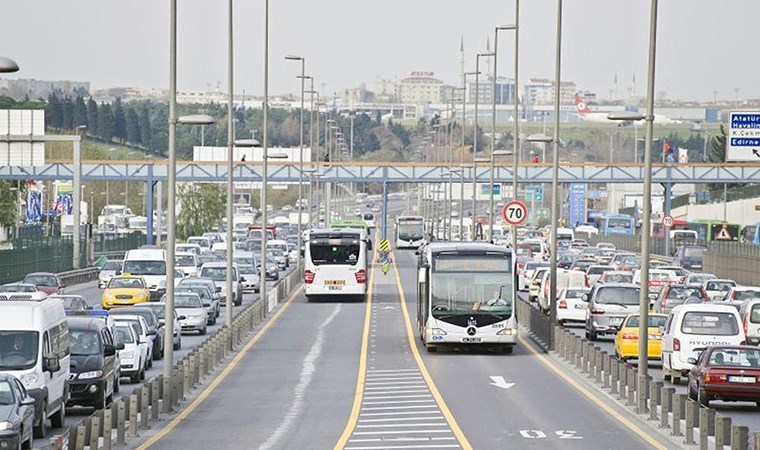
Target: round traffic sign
point(515, 212)
point(667, 221)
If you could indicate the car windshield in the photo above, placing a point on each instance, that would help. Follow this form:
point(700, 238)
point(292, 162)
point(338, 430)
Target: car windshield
point(745, 295)
point(215, 273)
point(735, 357)
point(724, 286)
point(41, 280)
point(461, 293)
point(618, 278)
point(113, 265)
point(682, 293)
point(145, 267)
point(124, 334)
point(654, 321)
point(202, 291)
point(18, 349)
point(128, 283)
point(187, 301)
point(84, 342)
point(598, 270)
point(18, 288)
point(699, 279)
point(185, 260)
point(246, 268)
point(6, 394)
point(693, 252)
point(201, 242)
point(575, 293)
point(159, 309)
point(710, 323)
point(618, 295)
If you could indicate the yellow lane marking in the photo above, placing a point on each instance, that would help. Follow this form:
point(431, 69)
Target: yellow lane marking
point(219, 378)
point(591, 396)
point(423, 370)
point(353, 418)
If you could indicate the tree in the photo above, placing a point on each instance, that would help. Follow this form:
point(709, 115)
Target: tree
point(80, 112)
point(54, 112)
point(68, 114)
point(378, 118)
point(8, 206)
point(145, 128)
point(119, 121)
point(132, 125)
point(92, 117)
point(202, 206)
point(105, 123)
point(373, 143)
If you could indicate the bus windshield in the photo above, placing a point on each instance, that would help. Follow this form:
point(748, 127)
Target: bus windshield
point(409, 230)
point(325, 253)
point(463, 286)
point(618, 223)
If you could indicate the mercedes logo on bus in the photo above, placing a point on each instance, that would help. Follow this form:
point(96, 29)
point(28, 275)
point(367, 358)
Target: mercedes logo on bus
point(471, 331)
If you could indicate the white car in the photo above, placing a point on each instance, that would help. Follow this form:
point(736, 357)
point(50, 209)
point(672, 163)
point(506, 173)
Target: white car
point(109, 270)
point(740, 294)
point(571, 306)
point(21, 291)
point(187, 262)
point(193, 316)
point(718, 288)
point(534, 285)
point(250, 277)
point(134, 355)
point(145, 341)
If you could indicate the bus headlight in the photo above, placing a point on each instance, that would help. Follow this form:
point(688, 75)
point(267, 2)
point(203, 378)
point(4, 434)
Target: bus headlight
point(506, 332)
point(437, 332)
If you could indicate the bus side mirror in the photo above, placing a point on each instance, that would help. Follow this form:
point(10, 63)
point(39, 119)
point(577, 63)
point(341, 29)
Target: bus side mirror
point(369, 244)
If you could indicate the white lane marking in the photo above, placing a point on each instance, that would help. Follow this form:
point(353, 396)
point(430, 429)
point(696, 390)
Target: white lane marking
point(395, 383)
point(393, 370)
point(397, 413)
point(401, 419)
point(403, 446)
point(403, 425)
point(384, 397)
point(307, 372)
point(404, 432)
point(395, 378)
point(400, 391)
point(399, 407)
point(500, 382)
point(397, 402)
point(405, 439)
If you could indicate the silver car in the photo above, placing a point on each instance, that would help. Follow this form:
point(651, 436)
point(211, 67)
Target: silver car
point(608, 305)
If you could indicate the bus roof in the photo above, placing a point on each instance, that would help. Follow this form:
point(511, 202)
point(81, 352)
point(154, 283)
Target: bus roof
point(468, 248)
point(360, 224)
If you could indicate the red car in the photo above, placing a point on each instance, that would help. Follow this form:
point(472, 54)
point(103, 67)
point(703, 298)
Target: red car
point(728, 373)
point(46, 282)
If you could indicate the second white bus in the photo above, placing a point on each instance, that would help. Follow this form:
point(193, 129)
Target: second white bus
point(335, 264)
point(410, 231)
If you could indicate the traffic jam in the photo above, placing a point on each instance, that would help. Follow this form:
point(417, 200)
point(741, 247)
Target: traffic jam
point(703, 331)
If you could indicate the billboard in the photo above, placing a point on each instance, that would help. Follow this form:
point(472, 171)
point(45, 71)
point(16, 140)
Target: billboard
point(22, 122)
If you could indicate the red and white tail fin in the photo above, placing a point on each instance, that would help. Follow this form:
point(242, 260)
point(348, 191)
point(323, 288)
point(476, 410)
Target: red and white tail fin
point(580, 105)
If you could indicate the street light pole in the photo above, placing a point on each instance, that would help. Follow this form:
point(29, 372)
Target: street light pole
point(230, 156)
point(516, 137)
point(265, 156)
point(300, 158)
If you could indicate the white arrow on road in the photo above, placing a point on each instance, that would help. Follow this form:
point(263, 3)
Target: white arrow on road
point(500, 382)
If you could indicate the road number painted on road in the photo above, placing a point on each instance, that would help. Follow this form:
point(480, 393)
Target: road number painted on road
point(538, 434)
point(515, 213)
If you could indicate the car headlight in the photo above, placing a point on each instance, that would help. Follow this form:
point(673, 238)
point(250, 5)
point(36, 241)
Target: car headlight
point(128, 354)
point(107, 294)
point(6, 425)
point(29, 379)
point(90, 375)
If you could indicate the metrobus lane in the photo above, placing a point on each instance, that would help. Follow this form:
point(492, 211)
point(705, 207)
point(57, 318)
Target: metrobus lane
point(518, 400)
point(291, 386)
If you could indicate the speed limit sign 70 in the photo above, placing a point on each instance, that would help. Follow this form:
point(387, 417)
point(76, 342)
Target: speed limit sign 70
point(515, 213)
point(667, 221)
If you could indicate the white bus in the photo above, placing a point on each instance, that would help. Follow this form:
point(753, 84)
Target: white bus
point(410, 231)
point(465, 296)
point(335, 263)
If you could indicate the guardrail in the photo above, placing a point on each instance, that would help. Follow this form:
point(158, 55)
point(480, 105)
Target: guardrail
point(157, 397)
point(77, 276)
point(676, 413)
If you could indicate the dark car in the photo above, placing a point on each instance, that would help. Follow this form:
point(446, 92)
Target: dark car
point(16, 412)
point(728, 373)
point(46, 282)
point(153, 325)
point(73, 302)
point(93, 362)
point(689, 256)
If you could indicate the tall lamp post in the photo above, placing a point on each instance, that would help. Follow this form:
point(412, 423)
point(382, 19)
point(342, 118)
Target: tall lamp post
point(300, 157)
point(230, 159)
point(462, 164)
point(475, 138)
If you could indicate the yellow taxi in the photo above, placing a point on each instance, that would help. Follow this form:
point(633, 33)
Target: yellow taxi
point(125, 290)
point(627, 339)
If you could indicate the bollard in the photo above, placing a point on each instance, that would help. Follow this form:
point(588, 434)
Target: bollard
point(121, 417)
point(739, 437)
point(599, 364)
point(655, 398)
point(577, 349)
point(94, 432)
point(691, 420)
point(679, 409)
point(107, 428)
point(133, 415)
point(177, 388)
point(756, 439)
point(196, 367)
point(606, 363)
point(191, 371)
point(632, 382)
point(155, 388)
point(138, 393)
point(56, 443)
point(167, 395)
point(79, 442)
point(144, 402)
point(722, 432)
point(185, 379)
point(706, 426)
point(614, 375)
point(667, 406)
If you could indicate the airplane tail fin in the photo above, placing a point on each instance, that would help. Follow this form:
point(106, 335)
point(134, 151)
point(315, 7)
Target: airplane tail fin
point(580, 105)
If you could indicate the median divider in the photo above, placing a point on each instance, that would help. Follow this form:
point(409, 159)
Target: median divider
point(682, 420)
point(128, 416)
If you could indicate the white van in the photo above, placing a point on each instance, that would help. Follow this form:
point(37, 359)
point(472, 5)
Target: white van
point(187, 262)
point(202, 241)
point(280, 244)
point(566, 279)
point(565, 234)
point(538, 247)
point(335, 263)
point(34, 342)
point(691, 328)
point(149, 264)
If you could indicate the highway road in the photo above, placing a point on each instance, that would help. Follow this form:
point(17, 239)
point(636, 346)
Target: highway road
point(350, 375)
point(93, 295)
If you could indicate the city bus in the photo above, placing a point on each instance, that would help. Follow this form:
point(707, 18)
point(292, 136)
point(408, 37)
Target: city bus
point(335, 264)
point(616, 224)
point(410, 231)
point(466, 296)
point(714, 230)
point(751, 234)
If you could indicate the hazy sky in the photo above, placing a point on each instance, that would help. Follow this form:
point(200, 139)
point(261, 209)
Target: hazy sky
point(704, 45)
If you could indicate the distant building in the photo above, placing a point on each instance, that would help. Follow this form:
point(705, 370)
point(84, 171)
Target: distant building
point(505, 90)
point(422, 88)
point(385, 91)
point(540, 91)
point(36, 89)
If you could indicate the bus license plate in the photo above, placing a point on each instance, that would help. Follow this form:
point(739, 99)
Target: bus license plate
point(740, 379)
point(335, 282)
point(472, 340)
